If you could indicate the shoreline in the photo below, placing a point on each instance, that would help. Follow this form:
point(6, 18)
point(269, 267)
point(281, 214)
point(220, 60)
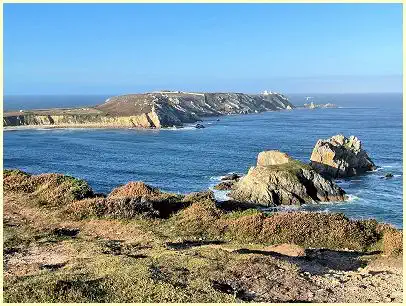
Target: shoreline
point(98, 126)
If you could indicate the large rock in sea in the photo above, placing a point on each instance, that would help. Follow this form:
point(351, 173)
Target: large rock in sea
point(279, 179)
point(340, 157)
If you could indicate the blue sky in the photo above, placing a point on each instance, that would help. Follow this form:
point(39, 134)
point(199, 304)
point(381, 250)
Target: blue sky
point(123, 48)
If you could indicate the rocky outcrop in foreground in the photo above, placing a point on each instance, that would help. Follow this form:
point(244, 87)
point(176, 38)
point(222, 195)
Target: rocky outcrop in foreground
point(340, 156)
point(150, 110)
point(280, 180)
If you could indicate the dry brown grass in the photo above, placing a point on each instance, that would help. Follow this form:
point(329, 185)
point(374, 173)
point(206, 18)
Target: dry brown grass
point(393, 242)
point(333, 231)
point(316, 230)
point(160, 205)
point(86, 267)
point(50, 189)
point(16, 180)
point(133, 189)
point(245, 228)
point(201, 219)
point(195, 197)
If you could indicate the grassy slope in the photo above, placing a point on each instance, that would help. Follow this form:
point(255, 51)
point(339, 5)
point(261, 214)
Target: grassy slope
point(199, 254)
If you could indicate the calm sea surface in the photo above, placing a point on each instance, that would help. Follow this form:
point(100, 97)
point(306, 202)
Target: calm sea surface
point(189, 159)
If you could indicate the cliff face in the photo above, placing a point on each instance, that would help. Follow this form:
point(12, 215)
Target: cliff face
point(151, 110)
point(147, 120)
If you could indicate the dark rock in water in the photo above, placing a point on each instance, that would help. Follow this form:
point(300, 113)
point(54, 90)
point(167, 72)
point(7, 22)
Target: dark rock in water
point(227, 182)
point(340, 157)
point(280, 180)
point(199, 126)
point(218, 120)
point(226, 185)
point(231, 177)
point(388, 175)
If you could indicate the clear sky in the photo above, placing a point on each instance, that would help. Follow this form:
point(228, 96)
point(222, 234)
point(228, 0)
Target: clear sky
point(127, 48)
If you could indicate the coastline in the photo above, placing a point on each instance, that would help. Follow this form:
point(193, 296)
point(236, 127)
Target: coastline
point(101, 126)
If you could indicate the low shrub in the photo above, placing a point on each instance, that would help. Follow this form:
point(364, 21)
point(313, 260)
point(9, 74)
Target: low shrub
point(17, 180)
point(153, 206)
point(334, 231)
point(245, 228)
point(393, 242)
point(201, 219)
point(307, 229)
point(133, 189)
point(60, 190)
point(51, 189)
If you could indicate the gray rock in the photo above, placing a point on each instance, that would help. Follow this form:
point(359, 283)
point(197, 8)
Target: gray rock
point(340, 157)
point(231, 177)
point(225, 185)
point(292, 182)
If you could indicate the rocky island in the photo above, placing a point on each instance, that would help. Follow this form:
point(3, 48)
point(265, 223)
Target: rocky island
point(279, 179)
point(340, 156)
point(150, 110)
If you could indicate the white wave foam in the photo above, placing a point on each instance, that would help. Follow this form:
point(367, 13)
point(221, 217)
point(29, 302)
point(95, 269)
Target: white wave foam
point(216, 178)
point(352, 198)
point(185, 128)
point(220, 195)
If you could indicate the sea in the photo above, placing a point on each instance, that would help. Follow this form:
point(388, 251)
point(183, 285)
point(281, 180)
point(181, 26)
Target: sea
point(184, 160)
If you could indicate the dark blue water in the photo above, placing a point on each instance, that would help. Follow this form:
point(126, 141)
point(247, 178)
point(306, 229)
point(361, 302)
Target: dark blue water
point(189, 159)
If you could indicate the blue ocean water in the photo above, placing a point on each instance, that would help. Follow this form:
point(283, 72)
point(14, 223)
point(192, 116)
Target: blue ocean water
point(189, 159)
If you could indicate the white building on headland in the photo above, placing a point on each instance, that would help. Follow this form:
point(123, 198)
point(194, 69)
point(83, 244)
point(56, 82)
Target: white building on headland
point(266, 92)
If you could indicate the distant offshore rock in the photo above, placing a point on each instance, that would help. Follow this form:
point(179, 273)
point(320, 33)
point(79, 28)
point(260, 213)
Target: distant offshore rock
point(339, 156)
point(279, 179)
point(313, 105)
point(150, 110)
point(388, 175)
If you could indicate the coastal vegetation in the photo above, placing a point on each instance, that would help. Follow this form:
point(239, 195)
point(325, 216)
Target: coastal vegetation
point(64, 243)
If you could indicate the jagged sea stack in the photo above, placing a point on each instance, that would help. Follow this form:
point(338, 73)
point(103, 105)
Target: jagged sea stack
point(279, 179)
point(340, 157)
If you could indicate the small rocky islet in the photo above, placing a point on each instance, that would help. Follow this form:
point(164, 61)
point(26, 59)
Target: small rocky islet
point(278, 179)
point(65, 243)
